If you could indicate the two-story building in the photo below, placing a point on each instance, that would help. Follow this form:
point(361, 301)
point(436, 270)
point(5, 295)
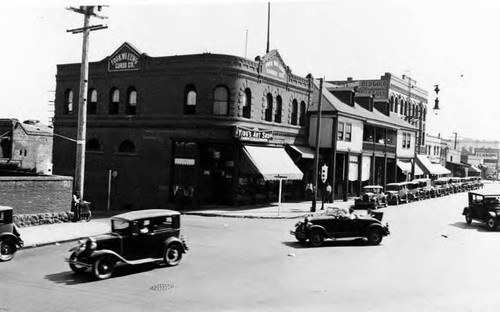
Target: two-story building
point(360, 140)
point(203, 129)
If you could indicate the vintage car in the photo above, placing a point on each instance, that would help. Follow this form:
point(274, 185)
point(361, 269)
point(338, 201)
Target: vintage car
point(425, 188)
point(372, 197)
point(396, 193)
point(136, 237)
point(467, 184)
point(456, 184)
point(334, 222)
point(10, 239)
point(442, 186)
point(478, 182)
point(483, 207)
point(413, 191)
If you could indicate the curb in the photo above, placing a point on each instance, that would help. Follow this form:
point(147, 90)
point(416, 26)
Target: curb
point(52, 243)
point(241, 217)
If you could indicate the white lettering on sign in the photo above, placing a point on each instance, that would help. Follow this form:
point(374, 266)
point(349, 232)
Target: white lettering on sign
point(274, 68)
point(124, 61)
point(254, 135)
point(487, 155)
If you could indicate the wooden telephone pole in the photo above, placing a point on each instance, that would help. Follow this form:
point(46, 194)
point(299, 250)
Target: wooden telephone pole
point(87, 12)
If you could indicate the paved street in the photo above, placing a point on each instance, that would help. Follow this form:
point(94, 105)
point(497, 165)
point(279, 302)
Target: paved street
point(431, 262)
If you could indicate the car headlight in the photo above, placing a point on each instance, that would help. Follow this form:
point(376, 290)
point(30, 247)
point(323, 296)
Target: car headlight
point(91, 244)
point(497, 212)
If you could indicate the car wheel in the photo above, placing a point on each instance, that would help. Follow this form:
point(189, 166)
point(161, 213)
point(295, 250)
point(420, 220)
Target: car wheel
point(88, 216)
point(316, 238)
point(491, 224)
point(7, 249)
point(468, 218)
point(173, 255)
point(374, 237)
point(103, 267)
point(75, 267)
point(300, 239)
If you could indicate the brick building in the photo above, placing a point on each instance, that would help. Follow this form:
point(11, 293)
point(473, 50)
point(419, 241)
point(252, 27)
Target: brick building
point(185, 130)
point(25, 147)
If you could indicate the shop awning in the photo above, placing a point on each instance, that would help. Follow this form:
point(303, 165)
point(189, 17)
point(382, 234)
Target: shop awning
point(272, 163)
point(405, 166)
point(430, 168)
point(475, 169)
point(304, 151)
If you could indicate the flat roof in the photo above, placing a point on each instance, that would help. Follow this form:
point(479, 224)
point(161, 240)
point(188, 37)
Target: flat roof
point(5, 208)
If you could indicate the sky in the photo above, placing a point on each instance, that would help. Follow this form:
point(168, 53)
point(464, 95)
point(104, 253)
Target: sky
point(450, 43)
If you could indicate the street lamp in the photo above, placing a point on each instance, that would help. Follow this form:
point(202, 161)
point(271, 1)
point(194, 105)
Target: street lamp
point(436, 101)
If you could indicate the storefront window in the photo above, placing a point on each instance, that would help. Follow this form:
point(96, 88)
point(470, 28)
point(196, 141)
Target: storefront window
point(368, 133)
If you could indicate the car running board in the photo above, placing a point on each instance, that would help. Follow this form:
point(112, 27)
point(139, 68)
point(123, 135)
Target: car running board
point(145, 260)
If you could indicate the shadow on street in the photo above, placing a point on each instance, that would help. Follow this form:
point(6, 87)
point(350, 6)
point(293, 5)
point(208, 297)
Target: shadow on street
point(70, 278)
point(480, 227)
point(329, 243)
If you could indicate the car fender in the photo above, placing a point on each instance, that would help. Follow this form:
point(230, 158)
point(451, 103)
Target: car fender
point(317, 228)
point(374, 226)
point(465, 210)
point(106, 252)
point(492, 214)
point(175, 240)
point(10, 236)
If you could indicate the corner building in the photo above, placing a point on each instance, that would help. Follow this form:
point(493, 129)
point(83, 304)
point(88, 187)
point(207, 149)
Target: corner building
point(185, 130)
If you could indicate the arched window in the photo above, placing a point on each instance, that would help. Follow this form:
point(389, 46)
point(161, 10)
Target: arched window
point(269, 108)
point(396, 105)
point(127, 146)
point(92, 108)
point(295, 112)
point(93, 145)
point(221, 101)
point(247, 103)
point(425, 114)
point(68, 102)
point(406, 108)
point(132, 101)
point(392, 103)
point(190, 100)
point(114, 101)
point(402, 107)
point(302, 118)
point(279, 107)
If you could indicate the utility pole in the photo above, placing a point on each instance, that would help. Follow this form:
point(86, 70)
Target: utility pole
point(316, 154)
point(87, 12)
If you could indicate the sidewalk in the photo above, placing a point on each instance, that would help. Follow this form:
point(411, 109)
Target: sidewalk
point(43, 235)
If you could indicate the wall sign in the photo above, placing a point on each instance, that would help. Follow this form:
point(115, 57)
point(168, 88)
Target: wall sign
point(253, 135)
point(124, 59)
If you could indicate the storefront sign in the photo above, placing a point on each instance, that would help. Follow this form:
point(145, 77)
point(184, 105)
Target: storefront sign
point(254, 135)
point(274, 68)
point(124, 59)
point(487, 155)
point(377, 88)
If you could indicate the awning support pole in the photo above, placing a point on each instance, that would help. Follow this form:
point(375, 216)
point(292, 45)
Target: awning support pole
point(279, 196)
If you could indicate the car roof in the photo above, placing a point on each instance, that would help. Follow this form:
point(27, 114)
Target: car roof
point(398, 183)
point(372, 186)
point(484, 193)
point(146, 213)
point(5, 208)
point(421, 180)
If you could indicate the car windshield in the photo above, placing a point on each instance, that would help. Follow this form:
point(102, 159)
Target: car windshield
point(372, 190)
point(118, 225)
point(492, 201)
point(392, 187)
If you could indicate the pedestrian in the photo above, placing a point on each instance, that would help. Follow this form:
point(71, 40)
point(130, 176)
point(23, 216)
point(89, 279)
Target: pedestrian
point(309, 191)
point(328, 192)
point(75, 202)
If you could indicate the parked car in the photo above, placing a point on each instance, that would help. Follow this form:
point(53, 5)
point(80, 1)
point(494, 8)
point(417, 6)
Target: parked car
point(425, 188)
point(413, 190)
point(10, 239)
point(372, 197)
point(442, 186)
point(466, 184)
point(483, 207)
point(136, 237)
point(396, 193)
point(456, 184)
point(336, 222)
point(478, 181)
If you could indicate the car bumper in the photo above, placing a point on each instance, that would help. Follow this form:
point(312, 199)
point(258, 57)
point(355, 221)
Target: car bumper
point(79, 263)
